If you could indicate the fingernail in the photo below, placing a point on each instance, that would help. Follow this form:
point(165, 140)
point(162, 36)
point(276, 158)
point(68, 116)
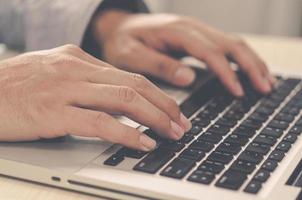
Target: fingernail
point(148, 143)
point(184, 75)
point(177, 130)
point(185, 122)
point(266, 85)
point(238, 89)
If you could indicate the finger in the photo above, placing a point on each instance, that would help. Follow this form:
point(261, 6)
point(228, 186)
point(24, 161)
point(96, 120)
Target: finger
point(126, 101)
point(237, 48)
point(252, 66)
point(159, 65)
point(145, 88)
point(201, 48)
point(263, 67)
point(89, 123)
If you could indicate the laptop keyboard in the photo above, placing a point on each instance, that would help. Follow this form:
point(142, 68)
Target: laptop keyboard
point(233, 144)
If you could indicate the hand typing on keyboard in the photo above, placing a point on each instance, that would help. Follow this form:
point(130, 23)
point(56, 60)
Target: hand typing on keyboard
point(233, 144)
point(66, 91)
point(142, 43)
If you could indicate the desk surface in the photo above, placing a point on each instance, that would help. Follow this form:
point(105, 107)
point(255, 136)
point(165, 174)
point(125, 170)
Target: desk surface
point(282, 54)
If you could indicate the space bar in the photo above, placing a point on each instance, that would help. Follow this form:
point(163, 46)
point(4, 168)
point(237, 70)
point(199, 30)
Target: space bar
point(154, 161)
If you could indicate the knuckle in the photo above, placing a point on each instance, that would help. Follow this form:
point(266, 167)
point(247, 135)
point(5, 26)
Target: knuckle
point(139, 81)
point(99, 120)
point(127, 94)
point(239, 43)
point(217, 51)
point(71, 48)
point(172, 106)
point(63, 61)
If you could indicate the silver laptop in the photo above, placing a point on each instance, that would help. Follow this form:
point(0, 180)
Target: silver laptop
point(248, 148)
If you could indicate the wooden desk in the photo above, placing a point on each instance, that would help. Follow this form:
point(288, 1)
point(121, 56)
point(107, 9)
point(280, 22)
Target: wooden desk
point(281, 54)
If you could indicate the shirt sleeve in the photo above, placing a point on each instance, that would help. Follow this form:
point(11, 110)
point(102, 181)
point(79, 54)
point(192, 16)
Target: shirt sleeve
point(53, 23)
point(43, 24)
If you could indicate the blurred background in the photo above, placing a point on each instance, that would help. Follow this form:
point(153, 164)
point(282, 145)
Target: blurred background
point(272, 17)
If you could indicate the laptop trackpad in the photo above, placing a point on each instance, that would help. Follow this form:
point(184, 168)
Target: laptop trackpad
point(66, 153)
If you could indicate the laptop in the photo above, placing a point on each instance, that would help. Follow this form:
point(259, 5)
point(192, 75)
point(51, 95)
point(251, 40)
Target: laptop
point(248, 148)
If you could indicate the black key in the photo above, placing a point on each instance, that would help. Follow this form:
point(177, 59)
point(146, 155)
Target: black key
point(210, 166)
point(233, 115)
point(290, 110)
point(269, 165)
point(276, 98)
point(154, 160)
point(218, 104)
point(278, 124)
point(296, 103)
point(259, 148)
point(265, 139)
point(178, 168)
point(210, 137)
point(264, 110)
point(253, 187)
point(245, 131)
point(291, 138)
point(192, 154)
point(241, 106)
point(227, 122)
point(231, 179)
point(172, 145)
point(296, 130)
point(251, 123)
point(277, 155)
point(270, 103)
point(261, 175)
point(299, 122)
point(284, 117)
point(208, 114)
point(284, 146)
point(291, 82)
point(114, 160)
point(258, 117)
point(221, 157)
point(195, 130)
point(243, 166)
point(273, 132)
point(201, 177)
point(219, 129)
point(186, 138)
point(203, 122)
point(228, 147)
point(202, 145)
point(241, 140)
point(251, 156)
point(152, 135)
point(131, 153)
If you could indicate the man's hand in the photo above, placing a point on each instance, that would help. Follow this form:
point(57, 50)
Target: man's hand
point(64, 90)
point(142, 43)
